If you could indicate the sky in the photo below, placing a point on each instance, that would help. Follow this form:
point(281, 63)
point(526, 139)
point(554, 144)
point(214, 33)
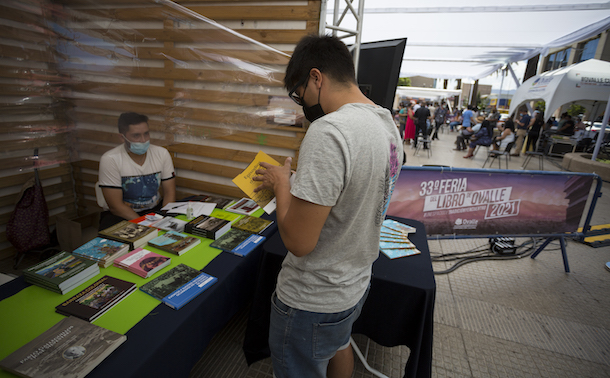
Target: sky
point(450, 41)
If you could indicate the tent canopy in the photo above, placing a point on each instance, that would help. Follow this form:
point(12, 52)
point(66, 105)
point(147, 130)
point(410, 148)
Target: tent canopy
point(478, 37)
point(588, 81)
point(428, 93)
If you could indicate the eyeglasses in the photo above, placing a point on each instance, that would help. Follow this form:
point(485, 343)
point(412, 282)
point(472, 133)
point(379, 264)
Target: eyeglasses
point(292, 94)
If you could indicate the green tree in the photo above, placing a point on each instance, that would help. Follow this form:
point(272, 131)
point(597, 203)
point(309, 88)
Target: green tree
point(575, 110)
point(540, 105)
point(404, 82)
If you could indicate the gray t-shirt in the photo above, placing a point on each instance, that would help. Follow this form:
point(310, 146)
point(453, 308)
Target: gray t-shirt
point(350, 160)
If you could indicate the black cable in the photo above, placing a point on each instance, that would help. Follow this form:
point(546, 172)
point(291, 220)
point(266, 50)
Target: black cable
point(491, 256)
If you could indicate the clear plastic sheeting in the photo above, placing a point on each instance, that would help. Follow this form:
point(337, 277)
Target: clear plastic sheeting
point(70, 68)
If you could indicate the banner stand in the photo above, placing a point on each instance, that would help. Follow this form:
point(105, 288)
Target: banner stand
point(424, 194)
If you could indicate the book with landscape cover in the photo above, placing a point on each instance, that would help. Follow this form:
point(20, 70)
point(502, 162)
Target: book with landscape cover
point(208, 226)
point(95, 300)
point(252, 224)
point(220, 202)
point(238, 242)
point(243, 206)
point(102, 250)
point(61, 272)
point(136, 235)
point(174, 242)
point(142, 262)
point(178, 286)
point(71, 348)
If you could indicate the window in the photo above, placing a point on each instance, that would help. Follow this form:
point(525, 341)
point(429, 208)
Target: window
point(557, 60)
point(586, 50)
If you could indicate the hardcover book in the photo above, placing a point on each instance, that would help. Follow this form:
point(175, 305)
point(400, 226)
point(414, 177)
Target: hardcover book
point(95, 300)
point(61, 272)
point(208, 226)
point(142, 262)
point(136, 235)
point(178, 286)
point(238, 242)
point(252, 225)
point(102, 250)
point(147, 219)
point(394, 227)
point(243, 206)
point(71, 348)
point(220, 202)
point(174, 242)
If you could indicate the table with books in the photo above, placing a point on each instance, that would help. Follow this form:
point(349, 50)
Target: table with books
point(165, 334)
point(399, 309)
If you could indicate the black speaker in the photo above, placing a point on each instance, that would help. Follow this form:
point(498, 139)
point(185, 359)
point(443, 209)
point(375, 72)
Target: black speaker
point(379, 69)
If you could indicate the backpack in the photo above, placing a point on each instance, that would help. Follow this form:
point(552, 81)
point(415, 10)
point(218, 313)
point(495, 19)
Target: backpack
point(28, 226)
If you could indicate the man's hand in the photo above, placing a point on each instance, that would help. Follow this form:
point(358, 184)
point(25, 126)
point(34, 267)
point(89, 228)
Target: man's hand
point(272, 176)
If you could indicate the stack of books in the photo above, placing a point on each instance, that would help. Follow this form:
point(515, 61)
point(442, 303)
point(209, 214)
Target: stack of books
point(208, 227)
point(62, 272)
point(103, 251)
point(178, 286)
point(174, 242)
point(96, 299)
point(136, 235)
point(394, 241)
point(142, 262)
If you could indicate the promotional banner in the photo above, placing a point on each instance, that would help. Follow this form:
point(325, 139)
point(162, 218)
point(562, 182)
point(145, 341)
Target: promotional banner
point(481, 202)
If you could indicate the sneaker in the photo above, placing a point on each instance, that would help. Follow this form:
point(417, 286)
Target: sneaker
point(608, 266)
point(514, 155)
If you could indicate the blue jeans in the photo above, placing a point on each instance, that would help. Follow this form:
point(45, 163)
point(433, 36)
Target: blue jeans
point(302, 342)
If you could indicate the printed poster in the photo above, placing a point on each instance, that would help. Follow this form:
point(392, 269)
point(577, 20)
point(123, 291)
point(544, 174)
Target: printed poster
point(486, 203)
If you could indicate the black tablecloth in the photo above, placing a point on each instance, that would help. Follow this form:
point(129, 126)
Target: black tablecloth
point(168, 342)
point(398, 311)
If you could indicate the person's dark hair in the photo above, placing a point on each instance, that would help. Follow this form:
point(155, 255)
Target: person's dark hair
point(569, 122)
point(326, 53)
point(130, 118)
point(509, 124)
point(488, 126)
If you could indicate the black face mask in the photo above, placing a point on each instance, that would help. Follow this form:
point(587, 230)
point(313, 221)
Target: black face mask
point(313, 112)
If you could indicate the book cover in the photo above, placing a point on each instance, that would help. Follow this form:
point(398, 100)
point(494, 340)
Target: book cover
point(226, 215)
point(245, 182)
point(102, 250)
point(392, 226)
point(243, 206)
point(61, 270)
point(142, 262)
point(170, 224)
point(238, 242)
point(178, 286)
point(220, 202)
point(400, 252)
point(95, 300)
point(208, 226)
point(136, 235)
point(174, 242)
point(70, 348)
point(252, 225)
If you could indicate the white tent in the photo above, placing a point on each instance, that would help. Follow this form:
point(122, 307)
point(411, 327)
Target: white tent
point(585, 82)
point(432, 94)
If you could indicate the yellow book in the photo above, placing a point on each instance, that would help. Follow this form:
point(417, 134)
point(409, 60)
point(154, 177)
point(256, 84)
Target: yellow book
point(244, 181)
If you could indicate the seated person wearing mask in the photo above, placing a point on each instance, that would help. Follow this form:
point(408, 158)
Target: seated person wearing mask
point(131, 174)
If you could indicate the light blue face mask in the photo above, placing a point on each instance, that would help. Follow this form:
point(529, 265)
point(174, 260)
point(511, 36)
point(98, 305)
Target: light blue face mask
point(138, 148)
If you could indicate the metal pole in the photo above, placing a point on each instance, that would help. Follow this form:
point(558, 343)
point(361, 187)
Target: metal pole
point(600, 135)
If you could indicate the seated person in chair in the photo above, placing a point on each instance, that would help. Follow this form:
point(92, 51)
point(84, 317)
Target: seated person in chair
point(507, 135)
point(466, 132)
point(131, 174)
point(481, 138)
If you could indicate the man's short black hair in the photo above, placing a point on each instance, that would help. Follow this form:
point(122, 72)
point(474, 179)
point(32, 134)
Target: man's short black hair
point(326, 53)
point(130, 118)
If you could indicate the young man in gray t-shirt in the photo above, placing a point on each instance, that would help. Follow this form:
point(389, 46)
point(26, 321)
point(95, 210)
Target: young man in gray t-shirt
point(330, 218)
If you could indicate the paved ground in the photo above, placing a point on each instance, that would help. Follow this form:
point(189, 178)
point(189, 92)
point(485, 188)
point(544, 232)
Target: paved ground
point(513, 318)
